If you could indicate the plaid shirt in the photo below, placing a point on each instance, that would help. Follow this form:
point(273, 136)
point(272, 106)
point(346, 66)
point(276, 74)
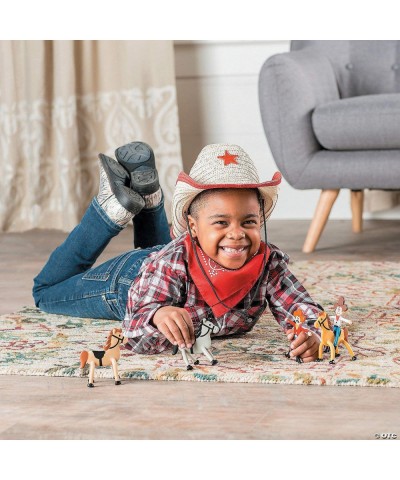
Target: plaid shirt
point(164, 280)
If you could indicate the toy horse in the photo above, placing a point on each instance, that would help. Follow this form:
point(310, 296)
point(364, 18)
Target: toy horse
point(327, 338)
point(201, 345)
point(299, 319)
point(104, 358)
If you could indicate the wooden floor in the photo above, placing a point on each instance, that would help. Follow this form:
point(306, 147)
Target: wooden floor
point(64, 408)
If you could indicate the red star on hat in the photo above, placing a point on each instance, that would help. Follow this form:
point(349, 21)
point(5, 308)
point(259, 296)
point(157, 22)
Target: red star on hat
point(228, 158)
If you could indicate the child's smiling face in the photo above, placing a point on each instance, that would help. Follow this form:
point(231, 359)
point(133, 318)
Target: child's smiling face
point(227, 226)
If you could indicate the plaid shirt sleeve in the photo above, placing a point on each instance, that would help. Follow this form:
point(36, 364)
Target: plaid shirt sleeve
point(159, 284)
point(285, 293)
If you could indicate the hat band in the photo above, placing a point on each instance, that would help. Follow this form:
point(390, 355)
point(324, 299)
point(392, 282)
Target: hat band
point(184, 177)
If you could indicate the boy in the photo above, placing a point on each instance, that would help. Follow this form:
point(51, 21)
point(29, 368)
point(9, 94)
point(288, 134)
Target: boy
point(216, 266)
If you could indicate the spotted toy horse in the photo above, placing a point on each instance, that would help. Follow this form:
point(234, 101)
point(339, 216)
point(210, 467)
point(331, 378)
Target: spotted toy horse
point(202, 345)
point(104, 358)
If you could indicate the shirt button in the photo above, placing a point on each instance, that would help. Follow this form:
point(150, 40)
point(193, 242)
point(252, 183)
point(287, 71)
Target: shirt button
point(349, 66)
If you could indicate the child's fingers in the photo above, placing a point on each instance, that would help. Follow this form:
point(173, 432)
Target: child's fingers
point(175, 327)
point(310, 358)
point(180, 328)
point(163, 328)
point(303, 345)
point(173, 333)
point(290, 334)
point(184, 322)
point(187, 319)
point(297, 342)
point(305, 337)
point(310, 352)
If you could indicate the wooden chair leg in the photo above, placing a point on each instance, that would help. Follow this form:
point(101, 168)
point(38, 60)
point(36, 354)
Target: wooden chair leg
point(321, 215)
point(357, 204)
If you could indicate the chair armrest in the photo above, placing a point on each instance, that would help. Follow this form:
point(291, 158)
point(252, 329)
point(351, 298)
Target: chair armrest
point(291, 85)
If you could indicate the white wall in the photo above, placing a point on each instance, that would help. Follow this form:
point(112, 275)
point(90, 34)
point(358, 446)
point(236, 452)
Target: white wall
point(217, 85)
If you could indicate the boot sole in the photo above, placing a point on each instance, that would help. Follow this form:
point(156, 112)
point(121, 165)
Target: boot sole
point(138, 160)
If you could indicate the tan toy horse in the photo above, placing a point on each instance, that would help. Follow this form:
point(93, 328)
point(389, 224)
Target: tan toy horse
point(104, 358)
point(327, 338)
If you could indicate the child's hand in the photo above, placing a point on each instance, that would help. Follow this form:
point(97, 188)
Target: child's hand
point(175, 323)
point(304, 346)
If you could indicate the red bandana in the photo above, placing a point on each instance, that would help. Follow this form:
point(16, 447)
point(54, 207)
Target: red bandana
point(231, 286)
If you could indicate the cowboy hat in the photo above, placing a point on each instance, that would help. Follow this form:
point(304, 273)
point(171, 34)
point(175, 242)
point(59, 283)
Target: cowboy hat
point(220, 166)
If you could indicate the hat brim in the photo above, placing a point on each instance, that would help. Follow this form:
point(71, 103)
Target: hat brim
point(186, 189)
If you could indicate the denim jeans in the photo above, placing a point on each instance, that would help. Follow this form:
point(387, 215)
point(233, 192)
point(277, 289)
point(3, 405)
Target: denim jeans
point(69, 285)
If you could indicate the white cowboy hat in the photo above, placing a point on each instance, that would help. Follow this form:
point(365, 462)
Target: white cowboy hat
point(220, 166)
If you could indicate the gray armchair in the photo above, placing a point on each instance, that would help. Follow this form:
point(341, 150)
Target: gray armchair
point(331, 115)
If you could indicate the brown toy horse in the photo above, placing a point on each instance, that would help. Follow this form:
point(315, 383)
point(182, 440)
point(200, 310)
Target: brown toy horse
point(327, 338)
point(104, 358)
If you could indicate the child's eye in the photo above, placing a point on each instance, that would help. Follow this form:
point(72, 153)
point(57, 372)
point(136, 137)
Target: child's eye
point(220, 222)
point(253, 222)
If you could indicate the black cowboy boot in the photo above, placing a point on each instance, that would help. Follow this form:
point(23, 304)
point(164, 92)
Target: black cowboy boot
point(116, 198)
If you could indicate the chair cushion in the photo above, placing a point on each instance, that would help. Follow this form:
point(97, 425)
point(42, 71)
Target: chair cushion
point(368, 122)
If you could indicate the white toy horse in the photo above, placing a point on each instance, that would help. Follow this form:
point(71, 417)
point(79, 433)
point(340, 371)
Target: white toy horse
point(201, 345)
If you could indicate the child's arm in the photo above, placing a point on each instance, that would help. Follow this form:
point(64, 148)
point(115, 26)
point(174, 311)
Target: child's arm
point(160, 285)
point(284, 295)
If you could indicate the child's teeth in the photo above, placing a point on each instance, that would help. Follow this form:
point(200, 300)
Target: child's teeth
point(233, 250)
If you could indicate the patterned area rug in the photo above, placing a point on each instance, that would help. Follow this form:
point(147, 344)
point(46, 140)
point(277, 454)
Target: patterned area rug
point(35, 343)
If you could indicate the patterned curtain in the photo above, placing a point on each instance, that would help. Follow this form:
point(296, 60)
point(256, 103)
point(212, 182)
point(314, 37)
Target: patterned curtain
point(63, 102)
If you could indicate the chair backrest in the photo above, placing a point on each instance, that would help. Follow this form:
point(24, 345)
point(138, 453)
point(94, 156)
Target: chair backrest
point(362, 67)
